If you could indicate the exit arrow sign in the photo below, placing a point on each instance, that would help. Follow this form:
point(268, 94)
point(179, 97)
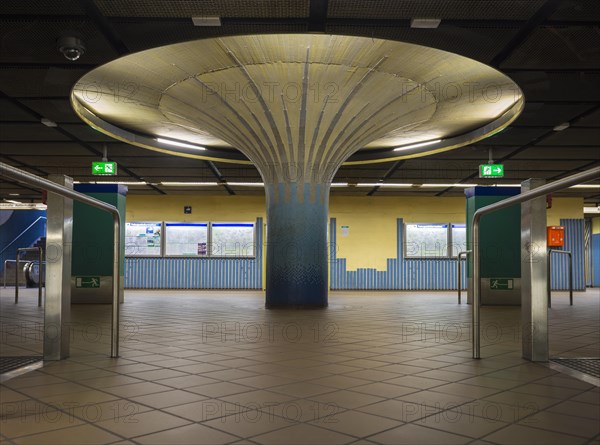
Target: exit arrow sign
point(104, 168)
point(491, 170)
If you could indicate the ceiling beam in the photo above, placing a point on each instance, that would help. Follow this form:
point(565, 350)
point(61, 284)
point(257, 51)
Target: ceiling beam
point(105, 27)
point(73, 138)
point(215, 171)
point(545, 11)
point(530, 144)
point(317, 15)
point(387, 175)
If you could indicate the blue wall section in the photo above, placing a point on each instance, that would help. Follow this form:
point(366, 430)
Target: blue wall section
point(596, 259)
point(12, 223)
point(440, 274)
point(574, 242)
point(197, 273)
point(401, 273)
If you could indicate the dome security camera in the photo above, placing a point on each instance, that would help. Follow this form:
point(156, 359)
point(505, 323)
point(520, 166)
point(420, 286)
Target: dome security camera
point(71, 47)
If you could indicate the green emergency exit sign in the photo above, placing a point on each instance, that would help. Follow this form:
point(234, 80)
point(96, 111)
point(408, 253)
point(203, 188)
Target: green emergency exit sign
point(491, 170)
point(501, 283)
point(104, 168)
point(87, 282)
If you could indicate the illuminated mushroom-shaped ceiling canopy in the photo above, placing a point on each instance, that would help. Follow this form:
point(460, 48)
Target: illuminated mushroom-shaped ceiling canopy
point(302, 100)
point(297, 107)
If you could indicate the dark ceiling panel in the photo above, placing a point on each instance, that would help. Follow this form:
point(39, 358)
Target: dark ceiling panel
point(35, 42)
point(579, 10)
point(593, 120)
point(28, 132)
point(11, 112)
point(58, 110)
point(163, 33)
point(41, 7)
point(583, 154)
point(558, 86)
point(550, 115)
point(515, 136)
point(34, 149)
point(38, 82)
point(576, 136)
point(86, 133)
point(444, 9)
point(477, 43)
point(204, 8)
point(557, 48)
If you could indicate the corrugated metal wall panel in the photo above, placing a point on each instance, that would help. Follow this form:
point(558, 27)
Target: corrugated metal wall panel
point(197, 273)
point(575, 243)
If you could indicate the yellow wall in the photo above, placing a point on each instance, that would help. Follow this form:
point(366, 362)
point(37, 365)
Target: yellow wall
point(596, 225)
point(371, 219)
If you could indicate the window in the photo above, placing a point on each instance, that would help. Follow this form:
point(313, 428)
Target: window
point(429, 240)
point(426, 240)
point(143, 238)
point(232, 239)
point(459, 239)
point(186, 239)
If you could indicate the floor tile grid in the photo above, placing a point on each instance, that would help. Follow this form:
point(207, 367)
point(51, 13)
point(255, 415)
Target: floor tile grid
point(383, 351)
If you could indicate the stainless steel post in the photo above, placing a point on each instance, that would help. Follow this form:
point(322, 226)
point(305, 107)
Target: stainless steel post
point(17, 279)
point(534, 279)
point(570, 254)
point(459, 278)
point(40, 278)
point(43, 184)
point(578, 178)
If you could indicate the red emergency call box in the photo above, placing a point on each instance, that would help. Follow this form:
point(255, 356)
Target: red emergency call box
point(556, 236)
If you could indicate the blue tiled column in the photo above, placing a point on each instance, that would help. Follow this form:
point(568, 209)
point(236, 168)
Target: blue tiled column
point(296, 272)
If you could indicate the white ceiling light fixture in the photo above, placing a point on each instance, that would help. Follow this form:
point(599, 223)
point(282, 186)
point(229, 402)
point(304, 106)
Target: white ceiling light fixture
point(120, 182)
point(245, 184)
point(206, 21)
point(449, 185)
point(591, 209)
point(189, 184)
point(420, 144)
point(382, 184)
point(562, 126)
point(49, 123)
point(423, 23)
point(179, 144)
point(339, 184)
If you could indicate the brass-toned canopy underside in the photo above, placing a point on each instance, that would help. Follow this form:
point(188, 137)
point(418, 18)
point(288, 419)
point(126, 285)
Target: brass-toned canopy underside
point(299, 99)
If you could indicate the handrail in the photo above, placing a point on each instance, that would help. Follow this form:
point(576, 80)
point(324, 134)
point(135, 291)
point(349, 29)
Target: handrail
point(459, 278)
point(21, 234)
point(41, 183)
point(28, 249)
point(565, 252)
point(543, 190)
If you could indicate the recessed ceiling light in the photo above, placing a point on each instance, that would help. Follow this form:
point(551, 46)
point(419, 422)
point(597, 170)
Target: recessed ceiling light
point(425, 23)
point(206, 21)
point(179, 144)
point(420, 144)
point(382, 184)
point(190, 184)
point(562, 126)
point(48, 123)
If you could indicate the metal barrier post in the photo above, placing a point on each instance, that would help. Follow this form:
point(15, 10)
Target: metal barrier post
point(43, 184)
point(543, 190)
point(570, 254)
point(459, 279)
point(26, 249)
point(17, 279)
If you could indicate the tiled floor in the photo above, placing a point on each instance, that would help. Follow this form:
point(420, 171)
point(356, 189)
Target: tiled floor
point(215, 368)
